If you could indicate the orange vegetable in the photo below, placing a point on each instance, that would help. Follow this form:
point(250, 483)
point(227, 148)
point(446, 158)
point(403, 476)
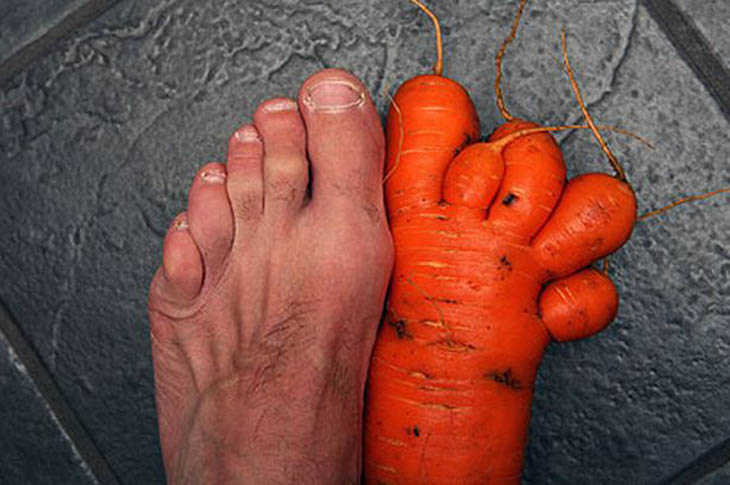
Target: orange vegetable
point(491, 250)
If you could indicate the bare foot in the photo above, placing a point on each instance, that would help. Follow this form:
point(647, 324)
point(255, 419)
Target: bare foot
point(264, 312)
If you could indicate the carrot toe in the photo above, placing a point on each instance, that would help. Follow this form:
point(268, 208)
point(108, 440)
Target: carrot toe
point(473, 177)
point(430, 120)
point(594, 218)
point(579, 305)
point(534, 175)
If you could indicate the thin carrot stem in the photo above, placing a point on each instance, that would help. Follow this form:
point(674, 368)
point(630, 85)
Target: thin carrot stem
point(500, 54)
point(502, 142)
point(683, 200)
point(431, 300)
point(620, 173)
point(627, 133)
point(400, 138)
point(438, 68)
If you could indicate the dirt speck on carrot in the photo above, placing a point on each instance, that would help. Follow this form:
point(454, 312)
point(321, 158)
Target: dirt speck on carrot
point(509, 199)
point(505, 263)
point(504, 377)
point(399, 325)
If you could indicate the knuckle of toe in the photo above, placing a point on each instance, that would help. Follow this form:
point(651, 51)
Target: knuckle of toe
point(282, 190)
point(247, 204)
point(246, 197)
point(355, 182)
point(286, 181)
point(356, 186)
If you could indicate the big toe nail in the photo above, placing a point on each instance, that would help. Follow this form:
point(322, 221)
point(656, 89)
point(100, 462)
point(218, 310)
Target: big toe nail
point(345, 141)
point(334, 94)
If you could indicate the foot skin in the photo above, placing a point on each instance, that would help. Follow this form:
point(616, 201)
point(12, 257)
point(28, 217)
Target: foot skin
point(264, 312)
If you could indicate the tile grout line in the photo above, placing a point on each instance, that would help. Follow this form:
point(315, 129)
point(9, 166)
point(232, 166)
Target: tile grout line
point(702, 466)
point(694, 49)
point(39, 47)
point(55, 401)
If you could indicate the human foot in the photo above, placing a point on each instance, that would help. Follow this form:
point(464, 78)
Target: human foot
point(264, 311)
point(489, 250)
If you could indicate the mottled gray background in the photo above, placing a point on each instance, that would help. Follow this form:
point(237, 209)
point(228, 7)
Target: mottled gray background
point(107, 108)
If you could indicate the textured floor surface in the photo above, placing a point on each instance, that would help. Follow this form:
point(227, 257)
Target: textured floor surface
point(107, 108)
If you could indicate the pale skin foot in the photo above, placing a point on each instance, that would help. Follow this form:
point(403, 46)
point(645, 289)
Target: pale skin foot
point(264, 312)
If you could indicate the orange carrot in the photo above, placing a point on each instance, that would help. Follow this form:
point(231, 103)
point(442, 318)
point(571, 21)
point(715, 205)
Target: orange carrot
point(490, 250)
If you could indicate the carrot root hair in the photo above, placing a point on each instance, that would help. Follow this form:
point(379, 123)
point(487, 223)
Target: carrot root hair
point(438, 68)
point(684, 200)
point(397, 109)
point(500, 54)
point(620, 172)
point(502, 142)
point(432, 301)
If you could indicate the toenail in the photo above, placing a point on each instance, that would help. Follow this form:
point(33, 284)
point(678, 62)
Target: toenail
point(247, 134)
point(280, 105)
point(213, 176)
point(334, 95)
point(180, 224)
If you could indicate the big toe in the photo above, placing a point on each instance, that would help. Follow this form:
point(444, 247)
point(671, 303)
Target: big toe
point(345, 144)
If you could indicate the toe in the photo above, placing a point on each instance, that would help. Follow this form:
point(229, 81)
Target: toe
point(578, 305)
point(345, 144)
point(245, 174)
point(181, 276)
point(285, 156)
point(473, 177)
point(209, 216)
point(430, 119)
point(594, 218)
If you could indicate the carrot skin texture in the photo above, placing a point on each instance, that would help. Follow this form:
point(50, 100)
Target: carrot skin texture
point(452, 374)
point(596, 216)
point(474, 176)
point(461, 373)
point(579, 305)
point(533, 181)
point(438, 118)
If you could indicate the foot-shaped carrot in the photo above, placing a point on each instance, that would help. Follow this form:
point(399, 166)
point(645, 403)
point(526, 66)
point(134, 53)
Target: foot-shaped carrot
point(492, 257)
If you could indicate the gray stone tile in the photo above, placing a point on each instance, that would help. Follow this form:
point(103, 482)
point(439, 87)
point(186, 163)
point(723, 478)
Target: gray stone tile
point(100, 139)
point(648, 394)
point(711, 18)
point(23, 21)
point(34, 448)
